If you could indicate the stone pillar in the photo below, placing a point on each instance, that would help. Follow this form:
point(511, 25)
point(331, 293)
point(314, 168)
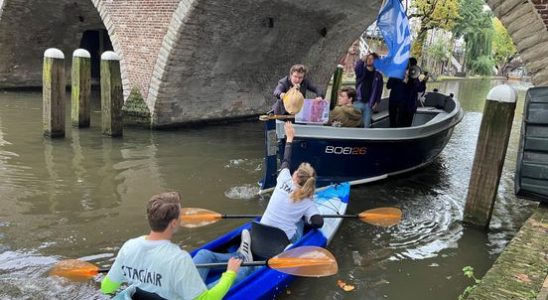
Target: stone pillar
point(337, 81)
point(112, 98)
point(495, 129)
point(53, 93)
point(81, 88)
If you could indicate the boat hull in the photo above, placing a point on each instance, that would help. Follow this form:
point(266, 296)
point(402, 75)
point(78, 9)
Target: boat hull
point(353, 160)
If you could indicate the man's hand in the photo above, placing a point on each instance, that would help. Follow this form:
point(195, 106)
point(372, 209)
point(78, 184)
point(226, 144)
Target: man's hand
point(234, 264)
point(318, 98)
point(282, 96)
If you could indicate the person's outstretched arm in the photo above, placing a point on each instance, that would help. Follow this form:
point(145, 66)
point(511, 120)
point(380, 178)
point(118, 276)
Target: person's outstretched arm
point(225, 282)
point(280, 89)
point(289, 134)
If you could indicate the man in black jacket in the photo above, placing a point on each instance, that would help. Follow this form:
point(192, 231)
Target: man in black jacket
point(296, 77)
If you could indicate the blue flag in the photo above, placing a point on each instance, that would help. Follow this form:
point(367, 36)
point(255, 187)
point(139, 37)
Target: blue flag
point(394, 26)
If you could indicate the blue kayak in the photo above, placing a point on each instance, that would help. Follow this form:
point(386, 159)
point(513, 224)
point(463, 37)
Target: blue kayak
point(266, 283)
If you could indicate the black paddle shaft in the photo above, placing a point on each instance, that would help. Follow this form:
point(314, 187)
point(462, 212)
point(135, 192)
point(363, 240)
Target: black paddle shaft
point(256, 216)
point(212, 265)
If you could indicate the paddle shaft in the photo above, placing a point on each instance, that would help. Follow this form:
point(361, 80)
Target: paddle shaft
point(256, 216)
point(211, 265)
point(245, 264)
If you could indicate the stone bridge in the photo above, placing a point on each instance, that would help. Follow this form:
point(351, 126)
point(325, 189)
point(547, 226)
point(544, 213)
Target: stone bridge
point(194, 60)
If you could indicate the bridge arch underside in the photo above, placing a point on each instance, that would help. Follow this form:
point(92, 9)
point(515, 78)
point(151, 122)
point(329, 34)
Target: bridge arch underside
point(222, 59)
point(29, 27)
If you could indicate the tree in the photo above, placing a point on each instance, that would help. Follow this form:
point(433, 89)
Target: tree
point(432, 14)
point(476, 27)
point(504, 50)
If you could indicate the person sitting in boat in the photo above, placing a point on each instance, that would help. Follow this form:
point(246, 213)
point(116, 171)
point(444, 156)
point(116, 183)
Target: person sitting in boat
point(153, 266)
point(291, 199)
point(296, 76)
point(345, 114)
point(369, 85)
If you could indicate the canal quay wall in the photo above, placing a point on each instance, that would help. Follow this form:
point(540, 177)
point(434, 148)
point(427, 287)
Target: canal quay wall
point(521, 270)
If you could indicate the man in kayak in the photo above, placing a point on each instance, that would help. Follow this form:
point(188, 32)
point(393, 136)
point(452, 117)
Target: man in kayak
point(152, 264)
point(296, 77)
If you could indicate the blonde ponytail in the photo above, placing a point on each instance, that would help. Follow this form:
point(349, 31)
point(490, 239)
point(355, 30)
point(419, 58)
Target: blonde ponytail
point(306, 182)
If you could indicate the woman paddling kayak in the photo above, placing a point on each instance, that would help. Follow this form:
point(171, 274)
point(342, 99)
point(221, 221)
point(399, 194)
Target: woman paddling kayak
point(289, 203)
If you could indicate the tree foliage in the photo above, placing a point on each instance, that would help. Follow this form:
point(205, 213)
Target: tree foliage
point(476, 27)
point(432, 14)
point(504, 49)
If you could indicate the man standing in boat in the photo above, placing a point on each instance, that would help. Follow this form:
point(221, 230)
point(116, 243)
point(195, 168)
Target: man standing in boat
point(296, 77)
point(402, 102)
point(153, 266)
point(369, 85)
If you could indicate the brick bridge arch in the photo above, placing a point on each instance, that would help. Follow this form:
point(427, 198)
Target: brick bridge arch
point(223, 58)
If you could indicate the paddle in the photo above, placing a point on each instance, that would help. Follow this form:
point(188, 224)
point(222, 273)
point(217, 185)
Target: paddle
point(275, 117)
point(309, 261)
point(191, 217)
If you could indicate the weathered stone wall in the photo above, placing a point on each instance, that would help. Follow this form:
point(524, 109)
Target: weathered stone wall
point(223, 58)
point(520, 271)
point(29, 27)
point(526, 22)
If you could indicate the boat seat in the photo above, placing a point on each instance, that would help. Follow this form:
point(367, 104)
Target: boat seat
point(267, 241)
point(379, 116)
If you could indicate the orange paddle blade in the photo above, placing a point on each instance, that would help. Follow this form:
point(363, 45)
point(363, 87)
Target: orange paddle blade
point(309, 261)
point(191, 217)
point(74, 269)
point(383, 216)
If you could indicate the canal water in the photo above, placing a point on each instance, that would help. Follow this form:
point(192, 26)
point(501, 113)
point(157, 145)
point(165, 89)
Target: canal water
point(84, 195)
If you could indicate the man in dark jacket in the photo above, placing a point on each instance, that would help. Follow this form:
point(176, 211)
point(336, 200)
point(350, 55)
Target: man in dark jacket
point(369, 84)
point(402, 102)
point(296, 77)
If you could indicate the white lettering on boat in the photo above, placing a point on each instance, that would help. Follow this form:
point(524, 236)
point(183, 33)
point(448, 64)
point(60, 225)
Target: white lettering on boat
point(345, 150)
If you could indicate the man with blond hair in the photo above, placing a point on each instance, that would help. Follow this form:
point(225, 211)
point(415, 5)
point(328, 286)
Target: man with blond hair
point(156, 268)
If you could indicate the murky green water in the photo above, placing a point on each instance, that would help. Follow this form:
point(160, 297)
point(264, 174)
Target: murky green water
point(84, 195)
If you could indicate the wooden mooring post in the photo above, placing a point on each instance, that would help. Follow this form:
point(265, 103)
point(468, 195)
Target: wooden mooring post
point(80, 88)
point(337, 81)
point(496, 125)
point(53, 93)
point(112, 98)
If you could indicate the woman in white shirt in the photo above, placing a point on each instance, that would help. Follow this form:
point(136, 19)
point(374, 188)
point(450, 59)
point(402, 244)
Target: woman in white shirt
point(292, 198)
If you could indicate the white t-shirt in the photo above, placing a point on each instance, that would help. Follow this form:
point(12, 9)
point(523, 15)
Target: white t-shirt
point(159, 267)
point(281, 211)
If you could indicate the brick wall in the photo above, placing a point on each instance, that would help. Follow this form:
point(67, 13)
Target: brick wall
point(138, 28)
point(542, 9)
